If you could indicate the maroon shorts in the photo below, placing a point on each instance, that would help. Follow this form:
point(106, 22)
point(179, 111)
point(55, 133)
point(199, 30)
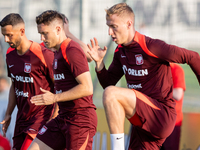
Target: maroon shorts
point(21, 131)
point(70, 131)
point(18, 141)
point(157, 120)
point(172, 142)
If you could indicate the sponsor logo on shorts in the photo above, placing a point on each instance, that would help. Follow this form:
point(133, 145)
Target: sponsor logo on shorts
point(32, 129)
point(27, 67)
point(43, 130)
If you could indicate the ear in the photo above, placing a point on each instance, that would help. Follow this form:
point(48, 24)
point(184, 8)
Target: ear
point(22, 30)
point(58, 29)
point(129, 23)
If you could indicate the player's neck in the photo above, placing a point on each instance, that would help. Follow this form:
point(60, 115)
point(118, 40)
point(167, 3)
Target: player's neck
point(61, 39)
point(24, 46)
point(130, 38)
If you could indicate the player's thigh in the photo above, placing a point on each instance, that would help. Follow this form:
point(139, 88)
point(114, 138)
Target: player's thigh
point(18, 141)
point(39, 145)
point(81, 131)
point(126, 97)
point(51, 135)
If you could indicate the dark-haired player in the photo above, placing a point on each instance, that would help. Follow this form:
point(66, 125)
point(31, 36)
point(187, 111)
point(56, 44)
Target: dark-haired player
point(71, 36)
point(147, 102)
point(30, 68)
point(75, 125)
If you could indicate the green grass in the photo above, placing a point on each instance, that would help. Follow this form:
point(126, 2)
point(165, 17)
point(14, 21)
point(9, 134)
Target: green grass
point(191, 102)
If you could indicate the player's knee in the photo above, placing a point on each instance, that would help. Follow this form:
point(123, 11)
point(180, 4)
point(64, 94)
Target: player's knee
point(34, 145)
point(109, 95)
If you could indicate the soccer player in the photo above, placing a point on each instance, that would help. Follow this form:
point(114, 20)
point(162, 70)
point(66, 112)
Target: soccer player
point(172, 142)
point(29, 67)
point(75, 125)
point(71, 36)
point(147, 102)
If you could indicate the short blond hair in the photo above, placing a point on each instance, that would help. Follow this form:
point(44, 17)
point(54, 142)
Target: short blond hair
point(121, 9)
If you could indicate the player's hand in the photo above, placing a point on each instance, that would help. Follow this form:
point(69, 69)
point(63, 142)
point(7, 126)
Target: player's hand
point(5, 123)
point(47, 98)
point(95, 51)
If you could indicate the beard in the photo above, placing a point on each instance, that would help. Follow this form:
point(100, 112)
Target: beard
point(15, 44)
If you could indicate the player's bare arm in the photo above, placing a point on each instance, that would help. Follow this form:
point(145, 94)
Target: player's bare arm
point(84, 88)
point(97, 53)
point(71, 36)
point(10, 108)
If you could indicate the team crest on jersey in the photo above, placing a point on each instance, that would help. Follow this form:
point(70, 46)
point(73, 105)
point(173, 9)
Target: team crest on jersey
point(27, 67)
point(43, 130)
point(55, 64)
point(139, 59)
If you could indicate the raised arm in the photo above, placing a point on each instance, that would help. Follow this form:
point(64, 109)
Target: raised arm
point(172, 53)
point(114, 72)
point(97, 53)
point(82, 44)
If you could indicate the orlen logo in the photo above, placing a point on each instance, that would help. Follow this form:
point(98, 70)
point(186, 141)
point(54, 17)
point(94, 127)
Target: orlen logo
point(22, 78)
point(59, 76)
point(134, 72)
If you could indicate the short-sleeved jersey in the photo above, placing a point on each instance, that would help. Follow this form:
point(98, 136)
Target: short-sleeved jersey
point(145, 64)
point(69, 62)
point(29, 72)
point(178, 82)
point(42, 44)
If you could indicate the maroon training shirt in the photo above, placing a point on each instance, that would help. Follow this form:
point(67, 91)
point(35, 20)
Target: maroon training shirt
point(69, 62)
point(29, 72)
point(146, 67)
point(145, 64)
